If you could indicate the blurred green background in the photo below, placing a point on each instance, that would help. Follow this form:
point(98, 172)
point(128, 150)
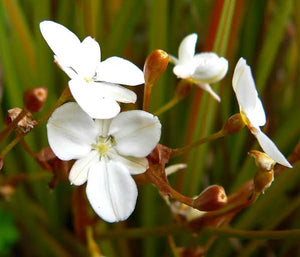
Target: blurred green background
point(37, 221)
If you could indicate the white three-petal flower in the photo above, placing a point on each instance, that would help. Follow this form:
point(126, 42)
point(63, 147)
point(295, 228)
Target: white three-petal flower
point(93, 84)
point(252, 110)
point(108, 152)
point(202, 69)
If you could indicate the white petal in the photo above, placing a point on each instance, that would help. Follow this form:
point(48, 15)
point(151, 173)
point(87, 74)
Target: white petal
point(133, 164)
point(117, 92)
point(136, 133)
point(64, 67)
point(271, 149)
point(210, 68)
point(92, 99)
point(103, 126)
point(207, 87)
point(257, 117)
point(71, 132)
point(88, 58)
point(64, 43)
point(79, 171)
point(183, 71)
point(244, 86)
point(120, 71)
point(111, 191)
point(187, 48)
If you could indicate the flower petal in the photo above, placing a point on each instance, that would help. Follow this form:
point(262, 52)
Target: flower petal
point(92, 98)
point(71, 132)
point(257, 117)
point(244, 86)
point(88, 58)
point(120, 71)
point(187, 48)
point(103, 126)
point(63, 42)
point(210, 68)
point(111, 191)
point(79, 171)
point(133, 164)
point(183, 71)
point(207, 87)
point(136, 133)
point(271, 149)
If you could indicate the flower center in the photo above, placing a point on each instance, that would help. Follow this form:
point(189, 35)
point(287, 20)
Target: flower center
point(103, 145)
point(88, 79)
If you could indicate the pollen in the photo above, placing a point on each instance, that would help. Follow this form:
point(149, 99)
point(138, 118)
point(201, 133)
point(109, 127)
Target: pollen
point(103, 145)
point(88, 79)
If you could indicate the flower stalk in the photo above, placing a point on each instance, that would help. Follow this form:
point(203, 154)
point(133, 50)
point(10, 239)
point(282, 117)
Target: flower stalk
point(182, 150)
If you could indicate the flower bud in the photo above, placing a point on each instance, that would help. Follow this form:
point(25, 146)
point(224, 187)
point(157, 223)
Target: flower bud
point(46, 158)
point(35, 98)
point(263, 180)
point(155, 65)
point(183, 88)
point(262, 160)
point(211, 199)
point(233, 125)
point(26, 124)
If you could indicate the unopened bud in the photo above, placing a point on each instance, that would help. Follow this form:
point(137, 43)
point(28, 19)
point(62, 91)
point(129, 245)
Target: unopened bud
point(26, 124)
point(262, 160)
point(1, 163)
point(211, 199)
point(35, 98)
point(183, 88)
point(46, 158)
point(233, 125)
point(155, 65)
point(263, 180)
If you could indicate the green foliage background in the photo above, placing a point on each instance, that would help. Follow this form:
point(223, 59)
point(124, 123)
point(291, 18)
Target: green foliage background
point(38, 222)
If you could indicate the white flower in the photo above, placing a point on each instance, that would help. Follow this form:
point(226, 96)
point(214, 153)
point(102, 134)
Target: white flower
point(252, 110)
point(93, 84)
point(108, 152)
point(202, 69)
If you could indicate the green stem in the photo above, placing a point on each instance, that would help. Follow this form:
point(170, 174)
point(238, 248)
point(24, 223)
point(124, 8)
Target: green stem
point(167, 106)
point(183, 228)
point(11, 145)
point(65, 95)
point(264, 234)
point(179, 151)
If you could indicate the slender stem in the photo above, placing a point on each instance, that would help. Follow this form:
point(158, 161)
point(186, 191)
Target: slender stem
point(158, 182)
point(11, 145)
point(6, 131)
point(173, 229)
point(173, 246)
point(184, 149)
point(167, 106)
point(264, 234)
point(63, 97)
point(147, 95)
point(27, 148)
